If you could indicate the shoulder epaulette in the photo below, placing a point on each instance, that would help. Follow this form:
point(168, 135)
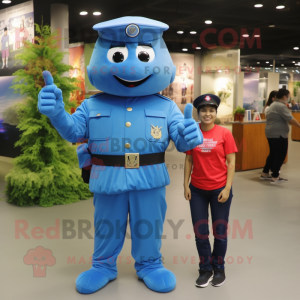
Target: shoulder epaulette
point(95, 95)
point(164, 97)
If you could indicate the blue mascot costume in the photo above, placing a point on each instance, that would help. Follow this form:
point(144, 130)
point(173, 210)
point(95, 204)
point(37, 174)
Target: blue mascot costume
point(129, 127)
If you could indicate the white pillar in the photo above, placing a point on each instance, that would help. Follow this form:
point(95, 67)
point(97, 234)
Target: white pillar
point(197, 79)
point(238, 76)
point(60, 22)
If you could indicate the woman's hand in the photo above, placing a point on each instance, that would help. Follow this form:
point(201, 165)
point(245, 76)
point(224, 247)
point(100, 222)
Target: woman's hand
point(224, 195)
point(187, 193)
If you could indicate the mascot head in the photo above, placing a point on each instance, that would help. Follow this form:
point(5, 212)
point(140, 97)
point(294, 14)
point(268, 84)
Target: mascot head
point(130, 58)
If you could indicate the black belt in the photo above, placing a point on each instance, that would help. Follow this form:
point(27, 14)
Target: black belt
point(119, 160)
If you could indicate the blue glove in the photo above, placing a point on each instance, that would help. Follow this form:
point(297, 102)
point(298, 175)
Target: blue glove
point(50, 101)
point(189, 133)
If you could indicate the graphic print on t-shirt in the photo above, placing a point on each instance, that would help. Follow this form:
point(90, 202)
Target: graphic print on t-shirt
point(208, 145)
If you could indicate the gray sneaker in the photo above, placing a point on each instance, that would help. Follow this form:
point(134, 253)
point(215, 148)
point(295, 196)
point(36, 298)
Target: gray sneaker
point(279, 180)
point(269, 177)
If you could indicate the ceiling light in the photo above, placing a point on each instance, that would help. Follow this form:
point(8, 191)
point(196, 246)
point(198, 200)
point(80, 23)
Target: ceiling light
point(293, 62)
point(272, 25)
point(180, 32)
point(6, 1)
point(285, 68)
point(276, 68)
point(271, 65)
point(219, 71)
point(184, 49)
point(258, 5)
point(258, 62)
point(280, 7)
point(296, 48)
point(256, 35)
point(97, 13)
point(267, 62)
point(208, 22)
point(193, 32)
point(198, 47)
point(293, 71)
point(282, 65)
point(245, 35)
point(83, 13)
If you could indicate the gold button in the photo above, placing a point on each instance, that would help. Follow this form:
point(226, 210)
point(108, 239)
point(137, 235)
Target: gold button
point(127, 145)
point(128, 124)
point(129, 108)
point(98, 115)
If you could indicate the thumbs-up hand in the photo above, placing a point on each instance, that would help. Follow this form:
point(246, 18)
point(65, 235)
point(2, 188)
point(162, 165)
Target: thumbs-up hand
point(189, 131)
point(50, 100)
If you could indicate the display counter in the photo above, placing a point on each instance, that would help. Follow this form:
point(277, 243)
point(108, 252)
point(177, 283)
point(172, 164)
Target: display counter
point(295, 135)
point(252, 144)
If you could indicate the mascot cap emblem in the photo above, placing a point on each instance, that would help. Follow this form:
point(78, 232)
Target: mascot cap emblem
point(132, 30)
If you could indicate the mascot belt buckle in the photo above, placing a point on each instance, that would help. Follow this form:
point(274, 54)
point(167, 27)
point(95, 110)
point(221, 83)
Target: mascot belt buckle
point(132, 160)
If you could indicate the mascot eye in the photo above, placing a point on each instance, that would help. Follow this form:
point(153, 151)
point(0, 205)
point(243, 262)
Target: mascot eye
point(118, 57)
point(145, 53)
point(144, 56)
point(117, 54)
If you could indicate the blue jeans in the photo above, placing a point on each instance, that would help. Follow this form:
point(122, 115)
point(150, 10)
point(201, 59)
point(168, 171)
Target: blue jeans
point(200, 200)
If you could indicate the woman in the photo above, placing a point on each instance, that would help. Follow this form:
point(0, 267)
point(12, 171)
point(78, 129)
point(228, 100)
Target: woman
point(295, 105)
point(211, 182)
point(277, 131)
point(272, 97)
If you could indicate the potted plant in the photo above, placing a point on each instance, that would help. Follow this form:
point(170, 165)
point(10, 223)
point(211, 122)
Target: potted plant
point(239, 114)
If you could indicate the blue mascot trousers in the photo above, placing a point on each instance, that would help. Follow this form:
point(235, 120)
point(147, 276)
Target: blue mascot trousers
point(147, 209)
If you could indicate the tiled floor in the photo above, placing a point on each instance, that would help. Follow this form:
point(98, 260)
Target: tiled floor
point(265, 266)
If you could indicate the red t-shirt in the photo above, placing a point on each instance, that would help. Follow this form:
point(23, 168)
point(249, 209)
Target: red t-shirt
point(209, 159)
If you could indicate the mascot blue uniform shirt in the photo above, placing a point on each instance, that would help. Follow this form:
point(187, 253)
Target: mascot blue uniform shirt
point(130, 122)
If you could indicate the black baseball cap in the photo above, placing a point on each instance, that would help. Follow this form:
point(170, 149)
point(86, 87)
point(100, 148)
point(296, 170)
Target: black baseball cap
point(206, 99)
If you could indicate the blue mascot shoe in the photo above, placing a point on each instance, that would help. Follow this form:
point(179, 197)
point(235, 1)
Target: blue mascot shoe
point(161, 280)
point(90, 281)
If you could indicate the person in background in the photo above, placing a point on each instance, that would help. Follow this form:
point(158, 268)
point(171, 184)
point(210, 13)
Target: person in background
point(272, 97)
point(211, 185)
point(4, 48)
point(295, 105)
point(277, 130)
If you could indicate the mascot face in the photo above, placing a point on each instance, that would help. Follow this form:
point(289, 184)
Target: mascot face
point(126, 64)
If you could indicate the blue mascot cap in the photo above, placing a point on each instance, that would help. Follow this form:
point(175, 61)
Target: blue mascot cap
point(131, 30)
point(206, 99)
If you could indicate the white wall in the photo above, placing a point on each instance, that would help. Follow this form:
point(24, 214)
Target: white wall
point(273, 83)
